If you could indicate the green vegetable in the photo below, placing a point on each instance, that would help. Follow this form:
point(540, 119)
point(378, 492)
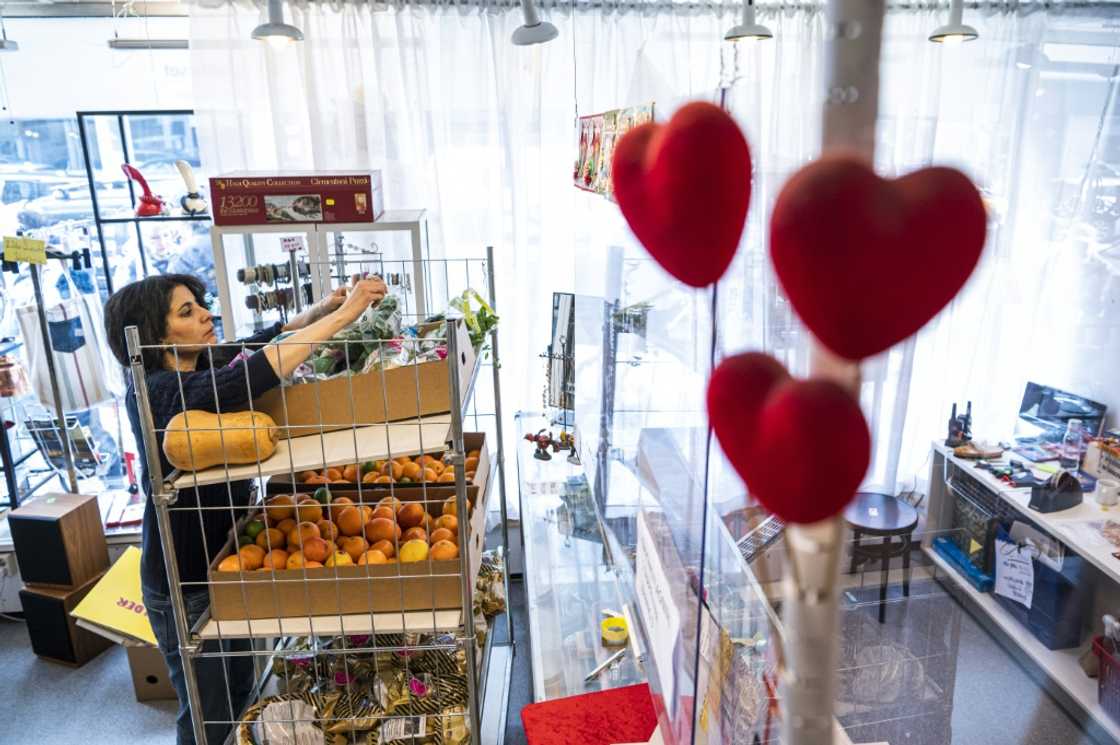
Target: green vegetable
point(244, 540)
point(368, 467)
point(253, 529)
point(480, 322)
point(322, 495)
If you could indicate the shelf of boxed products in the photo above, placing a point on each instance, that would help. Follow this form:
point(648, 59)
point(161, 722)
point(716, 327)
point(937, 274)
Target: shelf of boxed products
point(314, 453)
point(1060, 665)
point(1068, 526)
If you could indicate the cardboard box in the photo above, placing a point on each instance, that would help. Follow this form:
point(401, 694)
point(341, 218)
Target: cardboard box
point(59, 540)
point(369, 398)
point(150, 677)
point(250, 198)
point(380, 588)
point(54, 633)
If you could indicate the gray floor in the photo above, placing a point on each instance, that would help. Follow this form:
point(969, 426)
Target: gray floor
point(977, 694)
point(44, 702)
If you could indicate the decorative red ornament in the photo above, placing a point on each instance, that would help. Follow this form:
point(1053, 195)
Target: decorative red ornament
point(868, 261)
point(801, 446)
point(684, 188)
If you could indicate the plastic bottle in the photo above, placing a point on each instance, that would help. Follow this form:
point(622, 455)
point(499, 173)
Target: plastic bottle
point(1070, 457)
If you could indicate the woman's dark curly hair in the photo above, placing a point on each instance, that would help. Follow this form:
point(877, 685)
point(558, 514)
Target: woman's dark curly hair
point(145, 305)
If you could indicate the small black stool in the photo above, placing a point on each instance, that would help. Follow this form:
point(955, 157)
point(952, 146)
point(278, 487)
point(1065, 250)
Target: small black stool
point(881, 515)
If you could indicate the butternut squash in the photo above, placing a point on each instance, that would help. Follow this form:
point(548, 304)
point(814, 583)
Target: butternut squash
point(196, 440)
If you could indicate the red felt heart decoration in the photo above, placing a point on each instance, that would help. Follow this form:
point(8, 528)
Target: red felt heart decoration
point(801, 446)
point(868, 261)
point(684, 188)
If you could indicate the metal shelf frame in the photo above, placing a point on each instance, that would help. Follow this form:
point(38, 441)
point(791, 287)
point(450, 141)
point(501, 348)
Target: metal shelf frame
point(460, 621)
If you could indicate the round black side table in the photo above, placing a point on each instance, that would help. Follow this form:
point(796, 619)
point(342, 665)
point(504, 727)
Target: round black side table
point(882, 516)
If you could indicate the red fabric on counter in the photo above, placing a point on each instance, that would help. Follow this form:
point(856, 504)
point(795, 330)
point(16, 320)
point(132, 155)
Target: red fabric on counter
point(601, 718)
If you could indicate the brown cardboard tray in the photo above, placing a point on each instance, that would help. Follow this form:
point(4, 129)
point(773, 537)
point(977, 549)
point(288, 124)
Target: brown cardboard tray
point(369, 398)
point(381, 588)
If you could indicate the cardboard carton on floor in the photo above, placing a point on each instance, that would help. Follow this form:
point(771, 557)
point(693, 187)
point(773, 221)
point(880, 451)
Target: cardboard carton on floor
point(381, 588)
point(369, 398)
point(150, 677)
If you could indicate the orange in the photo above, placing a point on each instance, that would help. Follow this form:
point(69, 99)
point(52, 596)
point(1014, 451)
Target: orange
point(305, 475)
point(444, 551)
point(312, 564)
point(275, 559)
point(354, 545)
point(429, 523)
point(443, 534)
point(448, 521)
point(305, 531)
point(385, 512)
point(414, 551)
point(351, 472)
point(251, 558)
point(410, 515)
point(392, 468)
point(280, 506)
point(402, 459)
point(451, 505)
point(373, 476)
point(367, 513)
point(339, 559)
point(386, 547)
point(309, 511)
point(270, 539)
point(318, 479)
point(373, 556)
point(447, 477)
point(411, 471)
point(381, 529)
point(470, 464)
point(415, 534)
point(232, 563)
point(470, 477)
point(333, 474)
point(331, 547)
point(428, 475)
point(295, 560)
point(391, 502)
point(327, 530)
point(315, 549)
point(474, 454)
point(338, 504)
point(285, 526)
point(350, 521)
point(381, 479)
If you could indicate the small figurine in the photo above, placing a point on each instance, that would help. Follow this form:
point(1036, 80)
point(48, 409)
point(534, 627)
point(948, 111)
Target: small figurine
point(542, 440)
point(149, 205)
point(192, 202)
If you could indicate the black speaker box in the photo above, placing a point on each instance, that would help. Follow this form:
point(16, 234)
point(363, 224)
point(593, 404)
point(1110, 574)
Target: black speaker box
point(54, 632)
point(59, 540)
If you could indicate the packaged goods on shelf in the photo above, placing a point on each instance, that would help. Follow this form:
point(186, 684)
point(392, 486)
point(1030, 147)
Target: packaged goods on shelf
point(253, 198)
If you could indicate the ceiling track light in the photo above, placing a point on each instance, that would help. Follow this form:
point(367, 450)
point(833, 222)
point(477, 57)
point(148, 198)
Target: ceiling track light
point(749, 29)
point(954, 32)
point(276, 31)
point(118, 43)
point(535, 31)
point(6, 44)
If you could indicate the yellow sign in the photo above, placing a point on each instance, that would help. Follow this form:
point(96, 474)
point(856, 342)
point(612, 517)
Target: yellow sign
point(115, 603)
point(27, 250)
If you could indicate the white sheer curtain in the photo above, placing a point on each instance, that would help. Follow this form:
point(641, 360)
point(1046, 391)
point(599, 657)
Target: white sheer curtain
point(482, 134)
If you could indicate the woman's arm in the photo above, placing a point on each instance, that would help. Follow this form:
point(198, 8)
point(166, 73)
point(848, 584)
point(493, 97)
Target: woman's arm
point(230, 388)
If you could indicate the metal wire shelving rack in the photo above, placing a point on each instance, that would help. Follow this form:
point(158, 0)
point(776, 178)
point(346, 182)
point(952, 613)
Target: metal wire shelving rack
point(361, 675)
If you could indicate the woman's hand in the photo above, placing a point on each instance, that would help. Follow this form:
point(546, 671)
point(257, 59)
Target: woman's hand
point(323, 308)
point(364, 293)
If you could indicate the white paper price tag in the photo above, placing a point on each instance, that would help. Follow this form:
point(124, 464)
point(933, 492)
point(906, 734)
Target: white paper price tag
point(291, 243)
point(1014, 572)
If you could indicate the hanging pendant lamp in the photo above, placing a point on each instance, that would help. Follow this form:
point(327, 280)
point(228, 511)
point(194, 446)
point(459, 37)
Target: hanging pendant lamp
point(276, 31)
point(954, 32)
point(749, 29)
point(535, 31)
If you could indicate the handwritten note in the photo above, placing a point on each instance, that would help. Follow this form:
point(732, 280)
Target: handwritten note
point(27, 250)
point(1014, 572)
point(659, 613)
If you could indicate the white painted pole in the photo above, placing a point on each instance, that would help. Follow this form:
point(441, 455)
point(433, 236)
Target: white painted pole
point(811, 584)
